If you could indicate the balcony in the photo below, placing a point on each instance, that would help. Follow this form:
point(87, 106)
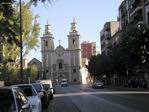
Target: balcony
point(146, 2)
point(136, 10)
point(137, 17)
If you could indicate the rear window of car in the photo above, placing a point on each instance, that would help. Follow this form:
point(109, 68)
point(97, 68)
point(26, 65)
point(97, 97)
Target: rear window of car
point(7, 103)
point(28, 90)
point(37, 87)
point(46, 86)
point(64, 81)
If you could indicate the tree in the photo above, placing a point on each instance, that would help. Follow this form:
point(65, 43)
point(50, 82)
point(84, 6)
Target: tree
point(131, 46)
point(92, 66)
point(9, 22)
point(99, 65)
point(43, 1)
point(30, 35)
point(116, 61)
point(30, 29)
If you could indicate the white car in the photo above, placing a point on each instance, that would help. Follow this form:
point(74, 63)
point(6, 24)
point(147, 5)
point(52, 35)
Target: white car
point(12, 99)
point(32, 95)
point(64, 83)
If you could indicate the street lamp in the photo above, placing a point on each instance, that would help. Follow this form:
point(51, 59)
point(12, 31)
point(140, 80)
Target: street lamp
point(21, 48)
point(44, 64)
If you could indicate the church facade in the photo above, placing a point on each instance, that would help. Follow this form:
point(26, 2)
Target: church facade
point(59, 62)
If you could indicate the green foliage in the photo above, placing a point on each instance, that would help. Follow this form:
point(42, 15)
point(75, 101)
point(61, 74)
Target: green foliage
point(9, 27)
point(33, 72)
point(11, 52)
point(35, 2)
point(6, 7)
point(30, 33)
point(99, 65)
point(30, 29)
point(116, 61)
point(132, 50)
point(9, 74)
point(132, 46)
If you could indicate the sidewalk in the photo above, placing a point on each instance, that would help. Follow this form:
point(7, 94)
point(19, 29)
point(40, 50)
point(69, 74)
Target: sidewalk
point(126, 88)
point(119, 88)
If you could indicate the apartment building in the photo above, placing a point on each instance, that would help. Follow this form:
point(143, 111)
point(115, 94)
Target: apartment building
point(147, 12)
point(88, 49)
point(132, 11)
point(106, 34)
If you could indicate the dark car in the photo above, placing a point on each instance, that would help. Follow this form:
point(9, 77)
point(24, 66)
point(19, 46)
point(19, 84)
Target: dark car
point(12, 99)
point(50, 93)
point(42, 93)
point(48, 86)
point(97, 84)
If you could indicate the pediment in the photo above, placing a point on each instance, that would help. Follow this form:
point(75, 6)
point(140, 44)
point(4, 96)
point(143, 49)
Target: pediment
point(60, 51)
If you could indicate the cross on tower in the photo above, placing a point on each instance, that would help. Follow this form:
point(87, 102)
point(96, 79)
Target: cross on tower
point(59, 42)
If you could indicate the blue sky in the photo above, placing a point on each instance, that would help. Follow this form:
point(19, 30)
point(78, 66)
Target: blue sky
point(90, 16)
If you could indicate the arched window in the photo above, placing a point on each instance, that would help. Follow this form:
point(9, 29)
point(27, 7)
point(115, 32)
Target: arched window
point(60, 66)
point(73, 42)
point(74, 70)
point(46, 43)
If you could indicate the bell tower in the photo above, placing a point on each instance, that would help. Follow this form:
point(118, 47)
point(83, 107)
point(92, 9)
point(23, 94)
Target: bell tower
point(74, 37)
point(74, 54)
point(47, 40)
point(47, 47)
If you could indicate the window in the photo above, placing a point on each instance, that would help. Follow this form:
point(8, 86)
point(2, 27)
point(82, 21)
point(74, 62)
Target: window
point(60, 66)
point(73, 41)
point(20, 97)
point(46, 43)
point(28, 90)
point(74, 70)
point(7, 103)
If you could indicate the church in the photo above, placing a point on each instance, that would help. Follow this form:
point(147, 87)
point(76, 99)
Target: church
point(59, 62)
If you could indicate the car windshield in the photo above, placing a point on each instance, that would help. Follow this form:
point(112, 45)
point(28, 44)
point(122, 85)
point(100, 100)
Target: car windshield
point(64, 81)
point(6, 101)
point(28, 90)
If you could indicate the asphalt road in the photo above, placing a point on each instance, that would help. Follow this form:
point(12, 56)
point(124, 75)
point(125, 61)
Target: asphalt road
point(79, 98)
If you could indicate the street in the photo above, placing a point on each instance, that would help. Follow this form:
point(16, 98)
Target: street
point(79, 98)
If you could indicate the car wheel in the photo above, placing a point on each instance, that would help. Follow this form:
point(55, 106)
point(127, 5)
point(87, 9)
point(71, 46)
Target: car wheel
point(44, 103)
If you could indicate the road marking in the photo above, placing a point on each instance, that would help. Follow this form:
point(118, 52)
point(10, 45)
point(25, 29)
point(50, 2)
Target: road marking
point(102, 92)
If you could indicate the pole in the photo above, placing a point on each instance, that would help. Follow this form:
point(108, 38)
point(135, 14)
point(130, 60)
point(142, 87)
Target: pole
point(21, 49)
point(45, 68)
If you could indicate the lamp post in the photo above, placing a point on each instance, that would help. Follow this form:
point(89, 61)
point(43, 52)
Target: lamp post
point(21, 49)
point(44, 64)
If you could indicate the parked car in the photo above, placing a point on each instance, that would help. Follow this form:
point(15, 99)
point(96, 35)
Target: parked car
point(48, 86)
point(42, 93)
point(97, 84)
point(64, 83)
point(12, 99)
point(33, 97)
